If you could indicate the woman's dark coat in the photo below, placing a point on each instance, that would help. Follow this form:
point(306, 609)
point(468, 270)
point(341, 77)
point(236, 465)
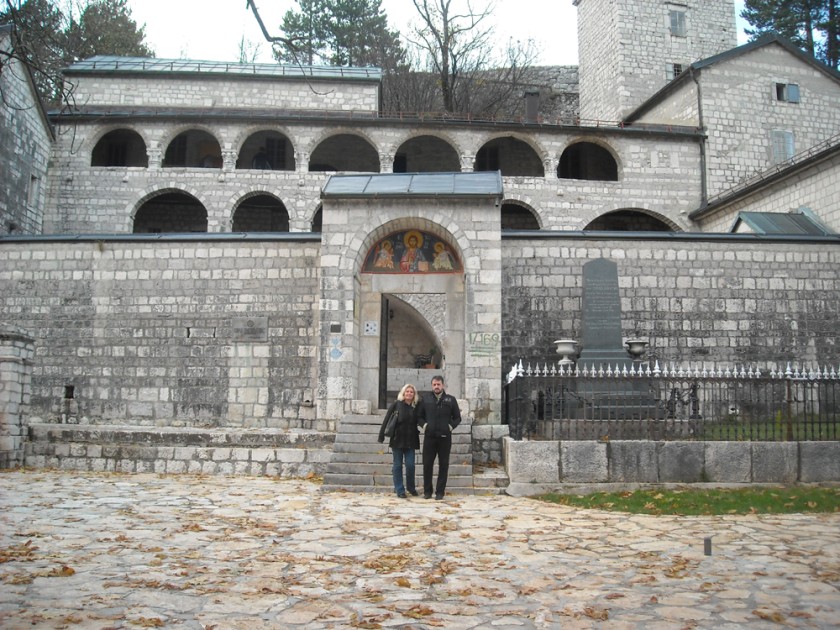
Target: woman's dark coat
point(406, 434)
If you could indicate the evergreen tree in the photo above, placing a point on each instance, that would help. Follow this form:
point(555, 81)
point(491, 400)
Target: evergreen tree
point(38, 41)
point(810, 24)
point(339, 33)
point(105, 27)
point(48, 40)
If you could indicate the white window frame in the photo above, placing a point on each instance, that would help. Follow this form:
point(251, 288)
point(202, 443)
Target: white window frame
point(782, 145)
point(34, 191)
point(678, 22)
point(673, 70)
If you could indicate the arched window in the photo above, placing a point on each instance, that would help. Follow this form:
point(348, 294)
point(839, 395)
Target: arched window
point(345, 152)
point(516, 217)
point(120, 147)
point(587, 160)
point(511, 156)
point(317, 220)
point(426, 154)
point(171, 212)
point(261, 213)
point(194, 148)
point(628, 221)
point(267, 151)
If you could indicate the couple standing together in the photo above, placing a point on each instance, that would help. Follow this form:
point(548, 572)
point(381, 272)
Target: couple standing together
point(436, 414)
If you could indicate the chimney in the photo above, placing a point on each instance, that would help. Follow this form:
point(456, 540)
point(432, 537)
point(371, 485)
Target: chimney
point(532, 106)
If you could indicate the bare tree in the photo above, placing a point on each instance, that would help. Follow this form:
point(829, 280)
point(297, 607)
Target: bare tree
point(248, 50)
point(460, 50)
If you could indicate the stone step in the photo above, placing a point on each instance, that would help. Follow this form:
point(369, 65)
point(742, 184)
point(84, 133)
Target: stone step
point(358, 461)
point(463, 470)
point(375, 448)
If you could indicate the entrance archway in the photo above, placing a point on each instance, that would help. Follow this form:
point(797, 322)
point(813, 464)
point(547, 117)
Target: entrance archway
point(412, 298)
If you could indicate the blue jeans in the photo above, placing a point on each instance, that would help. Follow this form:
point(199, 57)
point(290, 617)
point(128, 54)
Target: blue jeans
point(401, 454)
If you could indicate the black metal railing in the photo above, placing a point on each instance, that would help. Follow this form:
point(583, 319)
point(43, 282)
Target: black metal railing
point(646, 402)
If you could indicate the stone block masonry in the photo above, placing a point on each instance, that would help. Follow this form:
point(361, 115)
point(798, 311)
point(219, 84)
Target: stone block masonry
point(732, 301)
point(542, 466)
point(16, 351)
point(178, 334)
point(256, 452)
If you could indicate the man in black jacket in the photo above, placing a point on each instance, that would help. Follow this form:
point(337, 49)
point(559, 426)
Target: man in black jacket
point(442, 416)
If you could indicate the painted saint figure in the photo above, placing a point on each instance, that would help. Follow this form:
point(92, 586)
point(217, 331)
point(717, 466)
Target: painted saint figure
point(385, 256)
point(413, 258)
point(443, 259)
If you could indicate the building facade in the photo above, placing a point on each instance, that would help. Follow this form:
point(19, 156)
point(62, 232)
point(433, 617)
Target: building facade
point(259, 247)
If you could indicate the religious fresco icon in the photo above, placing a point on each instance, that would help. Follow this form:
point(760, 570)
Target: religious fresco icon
point(411, 251)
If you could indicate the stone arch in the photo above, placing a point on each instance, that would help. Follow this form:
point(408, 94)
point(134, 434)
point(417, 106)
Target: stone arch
point(512, 155)
point(266, 149)
point(367, 239)
point(193, 147)
point(425, 296)
point(344, 150)
point(426, 153)
point(518, 215)
point(121, 146)
point(589, 159)
point(170, 210)
point(259, 211)
point(632, 220)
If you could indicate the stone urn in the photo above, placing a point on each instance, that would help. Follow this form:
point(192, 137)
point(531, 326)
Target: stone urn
point(636, 347)
point(566, 348)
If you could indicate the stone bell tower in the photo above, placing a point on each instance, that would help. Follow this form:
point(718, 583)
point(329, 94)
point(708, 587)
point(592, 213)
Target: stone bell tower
point(629, 49)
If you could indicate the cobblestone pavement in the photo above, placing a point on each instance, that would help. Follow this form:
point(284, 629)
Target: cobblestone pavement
point(95, 550)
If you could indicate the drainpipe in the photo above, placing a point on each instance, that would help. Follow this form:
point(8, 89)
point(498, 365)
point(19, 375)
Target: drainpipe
point(704, 190)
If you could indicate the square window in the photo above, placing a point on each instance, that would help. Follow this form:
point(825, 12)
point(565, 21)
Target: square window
point(787, 92)
point(678, 25)
point(782, 145)
point(673, 70)
point(34, 190)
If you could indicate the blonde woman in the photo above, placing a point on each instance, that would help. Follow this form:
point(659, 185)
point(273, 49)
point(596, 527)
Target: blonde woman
point(406, 438)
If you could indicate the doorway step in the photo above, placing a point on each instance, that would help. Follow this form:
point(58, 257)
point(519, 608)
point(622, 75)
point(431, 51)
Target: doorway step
point(361, 464)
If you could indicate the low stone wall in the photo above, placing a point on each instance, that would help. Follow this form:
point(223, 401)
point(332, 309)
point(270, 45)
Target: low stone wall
point(541, 466)
point(487, 443)
point(210, 452)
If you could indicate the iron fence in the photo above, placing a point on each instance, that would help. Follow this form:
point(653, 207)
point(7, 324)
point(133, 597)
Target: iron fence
point(647, 402)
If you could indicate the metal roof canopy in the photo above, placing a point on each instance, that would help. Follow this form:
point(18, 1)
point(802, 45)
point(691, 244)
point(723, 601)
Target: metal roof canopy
point(482, 184)
point(779, 223)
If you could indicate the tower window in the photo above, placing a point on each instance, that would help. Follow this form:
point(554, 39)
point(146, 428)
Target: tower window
point(783, 146)
point(34, 190)
point(673, 70)
point(678, 27)
point(787, 92)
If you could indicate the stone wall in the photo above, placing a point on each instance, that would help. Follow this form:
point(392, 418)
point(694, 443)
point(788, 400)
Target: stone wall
point(173, 451)
point(176, 333)
point(733, 300)
point(817, 189)
point(536, 467)
point(26, 142)
point(224, 90)
point(16, 351)
point(658, 173)
point(624, 47)
point(739, 102)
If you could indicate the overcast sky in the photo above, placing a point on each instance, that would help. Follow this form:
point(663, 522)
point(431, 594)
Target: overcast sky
point(199, 29)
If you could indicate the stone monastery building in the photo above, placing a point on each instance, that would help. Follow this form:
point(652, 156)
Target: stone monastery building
point(194, 245)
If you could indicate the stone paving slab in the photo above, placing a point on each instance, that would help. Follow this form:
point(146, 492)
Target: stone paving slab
point(109, 550)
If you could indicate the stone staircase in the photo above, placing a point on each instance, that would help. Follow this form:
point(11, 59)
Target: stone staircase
point(359, 463)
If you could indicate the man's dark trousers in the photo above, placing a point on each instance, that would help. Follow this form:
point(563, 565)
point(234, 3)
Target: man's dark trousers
point(436, 446)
